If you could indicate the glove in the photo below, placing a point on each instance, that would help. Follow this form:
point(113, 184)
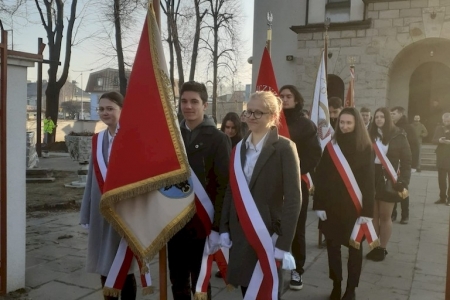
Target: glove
point(399, 186)
point(225, 240)
point(213, 242)
point(279, 254)
point(321, 214)
point(363, 220)
point(85, 226)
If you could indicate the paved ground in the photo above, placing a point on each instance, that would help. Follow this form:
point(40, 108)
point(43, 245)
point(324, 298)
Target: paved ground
point(414, 269)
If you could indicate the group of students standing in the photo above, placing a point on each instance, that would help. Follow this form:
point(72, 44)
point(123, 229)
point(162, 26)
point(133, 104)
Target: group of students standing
point(252, 174)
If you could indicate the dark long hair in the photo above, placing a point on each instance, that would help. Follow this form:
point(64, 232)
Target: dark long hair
point(233, 117)
point(387, 129)
point(362, 139)
point(298, 98)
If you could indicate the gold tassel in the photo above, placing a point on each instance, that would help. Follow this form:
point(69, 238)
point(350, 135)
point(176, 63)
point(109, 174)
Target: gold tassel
point(148, 290)
point(201, 296)
point(355, 244)
point(111, 292)
point(374, 244)
point(230, 288)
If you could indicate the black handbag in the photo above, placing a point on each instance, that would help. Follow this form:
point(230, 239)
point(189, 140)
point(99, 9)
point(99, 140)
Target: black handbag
point(391, 193)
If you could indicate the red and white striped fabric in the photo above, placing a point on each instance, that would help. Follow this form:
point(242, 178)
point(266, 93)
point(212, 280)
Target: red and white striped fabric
point(205, 211)
point(308, 180)
point(359, 231)
point(264, 282)
point(124, 256)
point(385, 161)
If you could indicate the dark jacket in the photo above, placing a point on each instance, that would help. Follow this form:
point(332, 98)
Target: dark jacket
point(442, 150)
point(412, 139)
point(303, 132)
point(275, 189)
point(332, 196)
point(208, 150)
point(399, 154)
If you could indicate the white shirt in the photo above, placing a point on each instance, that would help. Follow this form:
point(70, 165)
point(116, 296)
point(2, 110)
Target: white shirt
point(383, 148)
point(111, 140)
point(252, 155)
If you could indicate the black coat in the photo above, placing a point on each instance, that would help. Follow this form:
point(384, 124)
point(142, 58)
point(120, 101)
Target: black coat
point(332, 196)
point(303, 132)
point(208, 150)
point(399, 154)
point(442, 150)
point(413, 140)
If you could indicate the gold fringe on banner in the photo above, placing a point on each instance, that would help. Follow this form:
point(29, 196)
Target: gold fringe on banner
point(355, 244)
point(201, 296)
point(374, 244)
point(148, 290)
point(111, 292)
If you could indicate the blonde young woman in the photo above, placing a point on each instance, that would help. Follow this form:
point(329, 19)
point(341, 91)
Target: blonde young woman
point(264, 196)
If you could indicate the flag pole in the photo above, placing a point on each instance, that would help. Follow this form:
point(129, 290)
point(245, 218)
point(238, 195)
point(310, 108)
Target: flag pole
point(327, 25)
point(269, 31)
point(163, 251)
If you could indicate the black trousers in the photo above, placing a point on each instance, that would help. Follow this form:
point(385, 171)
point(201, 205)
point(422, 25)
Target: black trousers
point(354, 263)
point(185, 258)
point(299, 243)
point(405, 208)
point(128, 291)
point(444, 184)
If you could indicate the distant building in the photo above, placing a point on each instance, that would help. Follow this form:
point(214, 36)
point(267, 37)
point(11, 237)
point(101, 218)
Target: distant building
point(234, 102)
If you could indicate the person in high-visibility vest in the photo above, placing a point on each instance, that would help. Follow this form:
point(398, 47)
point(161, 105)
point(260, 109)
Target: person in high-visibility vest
point(49, 126)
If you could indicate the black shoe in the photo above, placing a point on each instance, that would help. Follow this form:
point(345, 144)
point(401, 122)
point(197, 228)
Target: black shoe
point(296, 282)
point(336, 292)
point(440, 201)
point(349, 295)
point(218, 274)
point(394, 216)
point(372, 253)
point(380, 254)
point(404, 220)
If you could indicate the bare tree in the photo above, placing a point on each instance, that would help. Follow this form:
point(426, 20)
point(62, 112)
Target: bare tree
point(198, 23)
point(222, 40)
point(52, 16)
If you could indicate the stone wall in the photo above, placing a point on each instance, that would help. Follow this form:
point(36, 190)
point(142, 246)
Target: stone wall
point(66, 126)
point(395, 26)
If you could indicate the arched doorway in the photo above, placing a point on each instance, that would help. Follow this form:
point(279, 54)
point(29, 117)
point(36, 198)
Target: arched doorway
point(429, 83)
point(335, 87)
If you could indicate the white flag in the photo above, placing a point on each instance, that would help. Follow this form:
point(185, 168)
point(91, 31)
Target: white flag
point(319, 112)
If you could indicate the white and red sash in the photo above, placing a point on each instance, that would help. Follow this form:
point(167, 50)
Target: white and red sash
point(308, 180)
point(385, 161)
point(359, 231)
point(124, 256)
point(264, 282)
point(205, 211)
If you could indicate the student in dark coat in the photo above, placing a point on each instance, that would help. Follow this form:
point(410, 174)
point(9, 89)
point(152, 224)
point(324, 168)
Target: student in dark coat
point(332, 201)
point(303, 133)
point(208, 151)
point(396, 148)
point(442, 139)
point(400, 119)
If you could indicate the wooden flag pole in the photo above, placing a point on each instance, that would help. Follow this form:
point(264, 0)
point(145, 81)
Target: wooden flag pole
point(163, 251)
point(269, 31)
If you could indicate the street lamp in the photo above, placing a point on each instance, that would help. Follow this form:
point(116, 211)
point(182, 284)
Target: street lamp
point(82, 91)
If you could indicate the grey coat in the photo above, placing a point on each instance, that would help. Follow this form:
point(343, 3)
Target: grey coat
point(275, 187)
point(103, 240)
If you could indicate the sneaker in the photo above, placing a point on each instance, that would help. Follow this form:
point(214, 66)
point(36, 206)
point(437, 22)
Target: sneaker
point(296, 282)
point(440, 201)
point(404, 220)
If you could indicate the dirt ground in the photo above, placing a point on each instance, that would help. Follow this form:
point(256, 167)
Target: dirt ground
point(54, 195)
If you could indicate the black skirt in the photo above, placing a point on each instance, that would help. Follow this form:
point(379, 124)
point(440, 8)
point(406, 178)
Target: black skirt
point(380, 185)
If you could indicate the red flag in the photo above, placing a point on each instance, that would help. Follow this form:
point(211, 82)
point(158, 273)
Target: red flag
point(148, 157)
point(266, 82)
point(350, 99)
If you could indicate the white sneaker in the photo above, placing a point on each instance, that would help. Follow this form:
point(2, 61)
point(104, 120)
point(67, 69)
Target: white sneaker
point(296, 282)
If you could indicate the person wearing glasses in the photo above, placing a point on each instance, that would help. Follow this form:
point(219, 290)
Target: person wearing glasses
point(303, 133)
point(103, 240)
point(265, 189)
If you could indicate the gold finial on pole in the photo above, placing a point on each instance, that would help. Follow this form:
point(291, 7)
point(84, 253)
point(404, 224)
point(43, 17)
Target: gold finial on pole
point(269, 30)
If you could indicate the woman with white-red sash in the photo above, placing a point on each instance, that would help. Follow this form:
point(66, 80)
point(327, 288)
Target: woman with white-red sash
point(333, 201)
point(103, 240)
point(262, 203)
point(392, 141)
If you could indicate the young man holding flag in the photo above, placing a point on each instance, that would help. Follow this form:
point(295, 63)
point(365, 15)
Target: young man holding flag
point(208, 150)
